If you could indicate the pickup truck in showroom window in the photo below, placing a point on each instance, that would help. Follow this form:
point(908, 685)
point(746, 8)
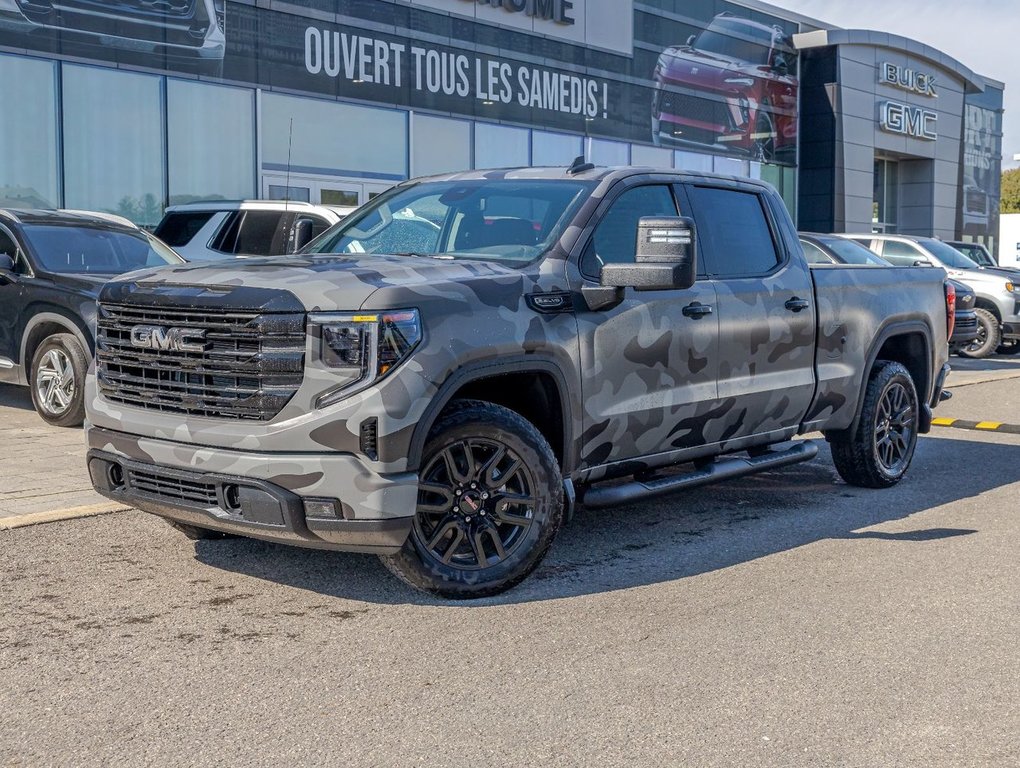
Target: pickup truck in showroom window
point(467, 357)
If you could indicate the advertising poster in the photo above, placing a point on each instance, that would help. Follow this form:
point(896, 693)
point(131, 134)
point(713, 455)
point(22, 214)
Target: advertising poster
point(713, 77)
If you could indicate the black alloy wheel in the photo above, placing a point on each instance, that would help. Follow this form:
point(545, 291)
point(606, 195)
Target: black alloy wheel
point(490, 502)
point(895, 431)
point(475, 504)
point(878, 452)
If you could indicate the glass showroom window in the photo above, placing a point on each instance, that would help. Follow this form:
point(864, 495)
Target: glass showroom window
point(500, 146)
point(211, 138)
point(332, 139)
point(692, 161)
point(554, 149)
point(28, 133)
point(602, 152)
point(439, 145)
point(652, 157)
point(113, 142)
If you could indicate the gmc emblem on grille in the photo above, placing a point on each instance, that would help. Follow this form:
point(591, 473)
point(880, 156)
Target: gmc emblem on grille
point(169, 339)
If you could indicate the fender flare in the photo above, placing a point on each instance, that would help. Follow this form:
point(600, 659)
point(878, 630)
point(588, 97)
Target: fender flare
point(886, 332)
point(484, 370)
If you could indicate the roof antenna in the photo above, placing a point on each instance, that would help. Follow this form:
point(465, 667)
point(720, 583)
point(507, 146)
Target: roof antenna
point(580, 166)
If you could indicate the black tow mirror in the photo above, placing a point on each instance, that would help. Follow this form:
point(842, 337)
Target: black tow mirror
point(303, 233)
point(665, 257)
point(7, 269)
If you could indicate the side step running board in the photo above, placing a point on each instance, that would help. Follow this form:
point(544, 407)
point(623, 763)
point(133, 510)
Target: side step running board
point(723, 469)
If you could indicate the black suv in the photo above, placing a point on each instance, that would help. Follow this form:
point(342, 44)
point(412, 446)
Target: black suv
point(52, 265)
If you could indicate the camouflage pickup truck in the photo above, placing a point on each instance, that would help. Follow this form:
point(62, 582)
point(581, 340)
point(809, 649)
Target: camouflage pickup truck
point(441, 377)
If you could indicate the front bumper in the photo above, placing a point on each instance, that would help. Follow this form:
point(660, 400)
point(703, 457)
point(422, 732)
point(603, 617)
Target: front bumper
point(328, 501)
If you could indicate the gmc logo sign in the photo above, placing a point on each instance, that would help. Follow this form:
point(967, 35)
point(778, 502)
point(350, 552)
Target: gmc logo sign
point(909, 121)
point(550, 10)
point(169, 339)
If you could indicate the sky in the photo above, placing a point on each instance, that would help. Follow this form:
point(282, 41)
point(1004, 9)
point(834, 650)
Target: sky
point(982, 34)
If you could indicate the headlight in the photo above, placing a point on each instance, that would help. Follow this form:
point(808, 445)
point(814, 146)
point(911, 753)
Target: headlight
point(362, 348)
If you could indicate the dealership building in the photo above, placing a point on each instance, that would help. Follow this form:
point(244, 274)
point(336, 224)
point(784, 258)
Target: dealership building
point(132, 105)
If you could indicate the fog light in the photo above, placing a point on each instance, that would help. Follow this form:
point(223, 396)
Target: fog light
point(115, 474)
point(322, 509)
point(232, 497)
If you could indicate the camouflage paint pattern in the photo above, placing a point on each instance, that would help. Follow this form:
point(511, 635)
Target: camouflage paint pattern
point(645, 386)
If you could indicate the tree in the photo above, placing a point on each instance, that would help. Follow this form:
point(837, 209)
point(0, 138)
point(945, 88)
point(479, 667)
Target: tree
point(1011, 191)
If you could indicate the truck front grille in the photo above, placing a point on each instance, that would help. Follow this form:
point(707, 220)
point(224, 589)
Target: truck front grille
point(173, 488)
point(236, 365)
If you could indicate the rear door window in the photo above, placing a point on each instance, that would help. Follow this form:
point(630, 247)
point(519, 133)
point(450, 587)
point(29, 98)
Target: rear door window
point(179, 229)
point(734, 232)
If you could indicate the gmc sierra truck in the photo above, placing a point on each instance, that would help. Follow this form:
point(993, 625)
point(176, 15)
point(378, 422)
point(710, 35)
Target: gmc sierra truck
point(450, 370)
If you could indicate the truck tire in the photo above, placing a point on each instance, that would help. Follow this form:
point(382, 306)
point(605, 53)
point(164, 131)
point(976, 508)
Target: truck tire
point(879, 452)
point(57, 380)
point(195, 533)
point(490, 503)
point(989, 336)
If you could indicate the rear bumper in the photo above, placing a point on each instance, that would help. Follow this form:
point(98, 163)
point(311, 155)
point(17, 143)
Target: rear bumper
point(323, 502)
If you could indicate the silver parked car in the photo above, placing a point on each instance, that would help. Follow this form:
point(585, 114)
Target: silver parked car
point(998, 297)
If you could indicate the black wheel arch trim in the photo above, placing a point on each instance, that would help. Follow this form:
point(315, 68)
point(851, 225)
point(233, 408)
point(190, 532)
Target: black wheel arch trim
point(890, 331)
point(485, 370)
point(66, 321)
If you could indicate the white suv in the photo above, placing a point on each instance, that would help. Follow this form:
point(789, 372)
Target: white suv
point(223, 229)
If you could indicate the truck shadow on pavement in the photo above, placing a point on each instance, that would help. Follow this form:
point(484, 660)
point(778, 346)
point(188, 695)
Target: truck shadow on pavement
point(691, 533)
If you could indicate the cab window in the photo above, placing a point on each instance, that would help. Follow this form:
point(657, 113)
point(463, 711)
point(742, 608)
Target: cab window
point(615, 238)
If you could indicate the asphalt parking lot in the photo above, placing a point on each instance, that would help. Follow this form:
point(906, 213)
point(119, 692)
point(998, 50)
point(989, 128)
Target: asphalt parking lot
point(785, 619)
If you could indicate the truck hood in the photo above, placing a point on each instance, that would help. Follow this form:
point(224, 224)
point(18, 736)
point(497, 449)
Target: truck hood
point(85, 284)
point(705, 70)
point(317, 283)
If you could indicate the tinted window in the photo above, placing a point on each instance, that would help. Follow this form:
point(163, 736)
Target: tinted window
point(615, 238)
point(178, 229)
point(734, 233)
point(901, 254)
point(814, 254)
point(260, 234)
point(949, 256)
point(67, 249)
point(7, 245)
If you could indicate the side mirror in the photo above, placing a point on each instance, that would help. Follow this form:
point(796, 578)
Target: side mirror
point(303, 233)
point(921, 263)
point(691, 39)
point(665, 259)
point(7, 274)
point(781, 66)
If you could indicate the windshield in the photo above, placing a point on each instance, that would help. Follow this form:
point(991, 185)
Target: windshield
point(851, 252)
point(977, 254)
point(735, 40)
point(949, 256)
point(497, 220)
point(68, 249)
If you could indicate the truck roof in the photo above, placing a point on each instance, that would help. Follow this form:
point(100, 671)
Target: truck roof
point(605, 174)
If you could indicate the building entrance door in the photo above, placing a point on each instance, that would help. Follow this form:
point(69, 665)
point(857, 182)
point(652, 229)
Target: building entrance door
point(886, 205)
point(320, 190)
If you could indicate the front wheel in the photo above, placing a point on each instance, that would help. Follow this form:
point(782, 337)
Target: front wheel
point(988, 339)
point(57, 380)
point(490, 502)
point(880, 450)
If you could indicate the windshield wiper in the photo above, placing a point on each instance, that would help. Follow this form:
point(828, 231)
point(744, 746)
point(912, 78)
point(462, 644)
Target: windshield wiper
point(416, 255)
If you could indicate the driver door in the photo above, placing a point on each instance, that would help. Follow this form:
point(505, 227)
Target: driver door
point(648, 365)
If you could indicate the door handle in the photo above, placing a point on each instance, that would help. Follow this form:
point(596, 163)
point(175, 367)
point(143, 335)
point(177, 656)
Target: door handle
point(696, 310)
point(797, 305)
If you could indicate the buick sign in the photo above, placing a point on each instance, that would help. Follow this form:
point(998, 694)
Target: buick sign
point(169, 339)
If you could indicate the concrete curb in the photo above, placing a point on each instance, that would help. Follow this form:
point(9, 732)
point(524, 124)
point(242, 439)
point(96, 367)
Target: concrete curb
point(72, 513)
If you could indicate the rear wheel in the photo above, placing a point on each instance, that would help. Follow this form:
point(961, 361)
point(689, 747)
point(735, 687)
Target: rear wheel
point(58, 380)
point(879, 452)
point(988, 339)
point(490, 502)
